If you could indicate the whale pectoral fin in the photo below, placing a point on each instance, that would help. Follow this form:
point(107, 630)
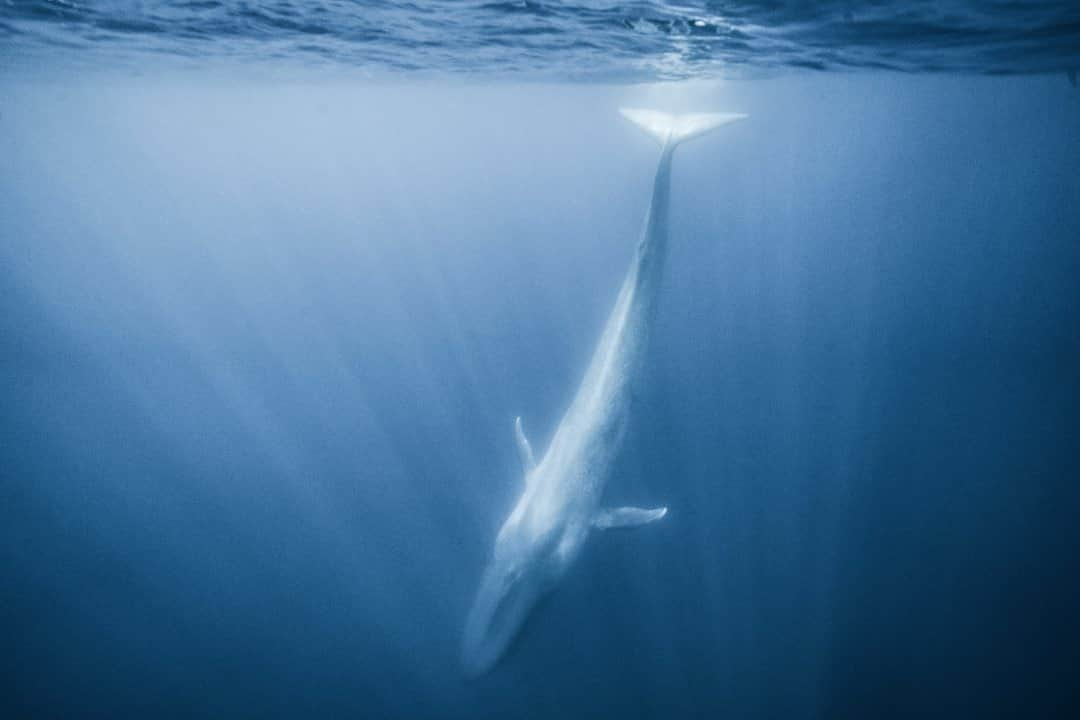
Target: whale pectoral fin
point(524, 449)
point(626, 517)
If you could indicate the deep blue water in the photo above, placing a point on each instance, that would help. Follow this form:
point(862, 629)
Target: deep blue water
point(265, 324)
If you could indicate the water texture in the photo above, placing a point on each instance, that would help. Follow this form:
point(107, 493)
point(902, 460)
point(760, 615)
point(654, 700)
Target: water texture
point(560, 40)
point(276, 279)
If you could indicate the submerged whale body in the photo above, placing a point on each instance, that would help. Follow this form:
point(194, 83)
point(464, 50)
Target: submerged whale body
point(560, 504)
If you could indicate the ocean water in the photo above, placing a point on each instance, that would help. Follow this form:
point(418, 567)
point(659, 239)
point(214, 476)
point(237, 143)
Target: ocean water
point(276, 279)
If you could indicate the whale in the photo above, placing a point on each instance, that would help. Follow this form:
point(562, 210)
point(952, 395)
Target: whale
point(560, 502)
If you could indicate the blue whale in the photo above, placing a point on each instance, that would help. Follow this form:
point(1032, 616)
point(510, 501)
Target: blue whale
point(560, 503)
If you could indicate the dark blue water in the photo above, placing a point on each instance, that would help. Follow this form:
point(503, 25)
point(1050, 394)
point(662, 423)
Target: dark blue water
point(597, 39)
point(265, 324)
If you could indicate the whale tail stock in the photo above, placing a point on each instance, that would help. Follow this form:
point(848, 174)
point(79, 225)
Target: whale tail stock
point(671, 129)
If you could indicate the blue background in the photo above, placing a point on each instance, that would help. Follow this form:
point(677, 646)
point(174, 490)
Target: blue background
point(262, 344)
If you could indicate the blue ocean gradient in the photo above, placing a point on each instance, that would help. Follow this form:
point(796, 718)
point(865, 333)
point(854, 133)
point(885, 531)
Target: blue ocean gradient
point(262, 344)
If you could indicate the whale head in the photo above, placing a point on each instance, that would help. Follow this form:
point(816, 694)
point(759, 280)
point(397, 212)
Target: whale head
point(519, 575)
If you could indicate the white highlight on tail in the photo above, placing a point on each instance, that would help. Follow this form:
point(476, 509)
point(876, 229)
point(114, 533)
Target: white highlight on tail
point(673, 129)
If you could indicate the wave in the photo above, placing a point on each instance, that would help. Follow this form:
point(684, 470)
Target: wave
point(565, 40)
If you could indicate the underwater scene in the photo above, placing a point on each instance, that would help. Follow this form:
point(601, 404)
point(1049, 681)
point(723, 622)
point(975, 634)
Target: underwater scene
point(534, 359)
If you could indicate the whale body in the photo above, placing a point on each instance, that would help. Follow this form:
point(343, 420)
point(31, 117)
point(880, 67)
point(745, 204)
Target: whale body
point(560, 503)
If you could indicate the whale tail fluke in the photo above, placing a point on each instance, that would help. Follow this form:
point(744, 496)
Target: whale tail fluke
point(671, 129)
